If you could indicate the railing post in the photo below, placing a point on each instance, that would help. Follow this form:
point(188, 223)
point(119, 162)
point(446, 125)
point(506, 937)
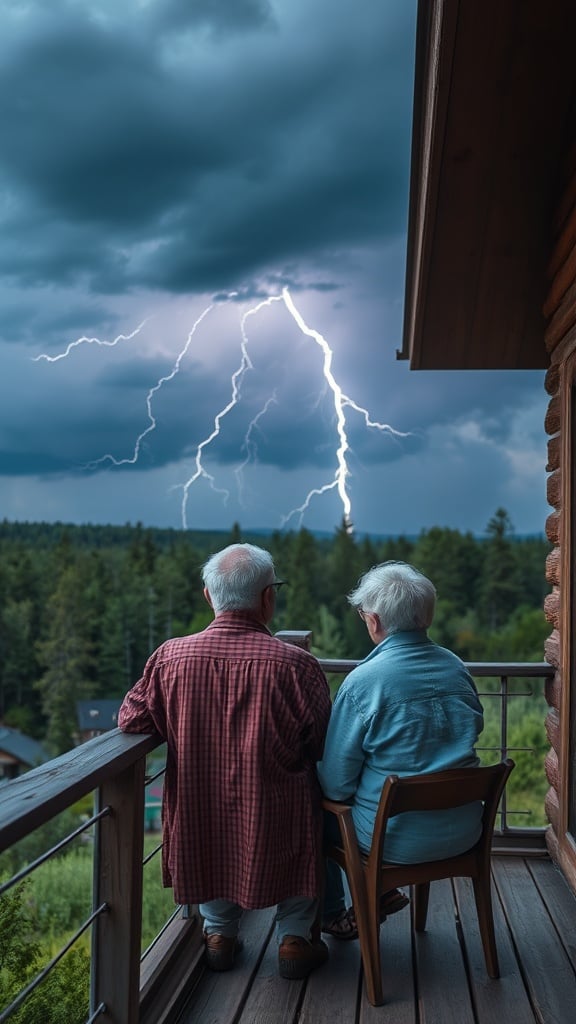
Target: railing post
point(296, 637)
point(118, 883)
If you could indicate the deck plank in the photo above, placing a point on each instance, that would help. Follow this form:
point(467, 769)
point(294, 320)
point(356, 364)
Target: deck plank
point(331, 994)
point(443, 989)
point(219, 998)
point(503, 999)
point(397, 975)
point(560, 901)
point(547, 970)
point(271, 998)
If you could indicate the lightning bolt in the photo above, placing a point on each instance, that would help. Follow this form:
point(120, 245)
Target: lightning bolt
point(236, 382)
point(152, 423)
point(339, 481)
point(84, 340)
point(341, 403)
point(249, 445)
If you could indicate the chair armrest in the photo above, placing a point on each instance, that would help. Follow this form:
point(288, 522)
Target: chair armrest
point(343, 813)
point(348, 856)
point(335, 806)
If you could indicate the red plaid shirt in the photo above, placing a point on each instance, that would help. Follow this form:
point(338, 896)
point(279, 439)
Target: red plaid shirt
point(244, 716)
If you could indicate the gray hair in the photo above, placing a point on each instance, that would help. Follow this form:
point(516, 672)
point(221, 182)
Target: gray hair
point(236, 576)
point(401, 596)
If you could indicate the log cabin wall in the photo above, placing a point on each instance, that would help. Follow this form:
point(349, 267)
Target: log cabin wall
point(560, 312)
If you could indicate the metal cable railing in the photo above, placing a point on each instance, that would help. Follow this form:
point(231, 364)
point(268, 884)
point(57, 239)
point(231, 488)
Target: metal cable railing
point(43, 974)
point(48, 854)
point(24, 872)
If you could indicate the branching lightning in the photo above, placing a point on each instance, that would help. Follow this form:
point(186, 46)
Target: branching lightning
point(341, 474)
point(236, 382)
point(149, 397)
point(84, 340)
point(248, 445)
point(341, 402)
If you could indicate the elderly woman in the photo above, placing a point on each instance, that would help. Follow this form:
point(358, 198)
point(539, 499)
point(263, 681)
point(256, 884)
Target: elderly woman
point(409, 707)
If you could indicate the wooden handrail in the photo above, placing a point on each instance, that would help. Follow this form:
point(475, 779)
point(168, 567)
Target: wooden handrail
point(32, 799)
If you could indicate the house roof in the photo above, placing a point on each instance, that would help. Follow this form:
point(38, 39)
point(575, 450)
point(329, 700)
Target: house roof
point(493, 99)
point(98, 715)
point(23, 748)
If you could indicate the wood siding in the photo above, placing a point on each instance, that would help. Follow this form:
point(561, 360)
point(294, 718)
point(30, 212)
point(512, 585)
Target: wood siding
point(560, 310)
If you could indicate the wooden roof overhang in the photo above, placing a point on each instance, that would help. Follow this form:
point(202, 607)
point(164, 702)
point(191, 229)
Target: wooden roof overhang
point(493, 119)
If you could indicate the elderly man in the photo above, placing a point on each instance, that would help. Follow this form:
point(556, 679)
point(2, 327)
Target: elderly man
point(409, 707)
point(244, 716)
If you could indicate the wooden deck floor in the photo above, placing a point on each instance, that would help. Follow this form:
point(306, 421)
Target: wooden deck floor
point(434, 978)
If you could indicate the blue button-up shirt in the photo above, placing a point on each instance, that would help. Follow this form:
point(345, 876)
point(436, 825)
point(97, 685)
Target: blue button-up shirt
point(409, 707)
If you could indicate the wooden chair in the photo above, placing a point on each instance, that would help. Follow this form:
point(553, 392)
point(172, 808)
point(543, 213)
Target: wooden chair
point(369, 876)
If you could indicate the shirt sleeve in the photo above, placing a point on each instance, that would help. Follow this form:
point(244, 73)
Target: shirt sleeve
point(141, 710)
point(340, 769)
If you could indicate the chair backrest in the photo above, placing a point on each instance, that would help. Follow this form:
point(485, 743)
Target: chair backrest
point(437, 791)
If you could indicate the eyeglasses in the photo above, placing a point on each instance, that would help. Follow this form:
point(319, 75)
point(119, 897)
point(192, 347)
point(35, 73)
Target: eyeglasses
point(277, 584)
point(361, 613)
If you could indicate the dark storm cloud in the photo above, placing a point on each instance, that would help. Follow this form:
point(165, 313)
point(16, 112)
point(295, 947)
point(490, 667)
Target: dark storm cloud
point(189, 167)
point(156, 156)
point(220, 16)
point(444, 399)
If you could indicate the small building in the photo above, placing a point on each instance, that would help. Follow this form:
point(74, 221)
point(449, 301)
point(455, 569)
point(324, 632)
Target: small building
point(96, 716)
point(18, 753)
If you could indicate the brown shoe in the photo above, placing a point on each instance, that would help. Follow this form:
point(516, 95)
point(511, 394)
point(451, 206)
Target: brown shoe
point(221, 951)
point(297, 957)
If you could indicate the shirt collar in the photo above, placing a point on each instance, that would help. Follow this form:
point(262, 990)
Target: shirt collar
point(403, 638)
point(239, 620)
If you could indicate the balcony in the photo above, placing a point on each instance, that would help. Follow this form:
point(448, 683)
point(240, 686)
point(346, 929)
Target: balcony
point(438, 976)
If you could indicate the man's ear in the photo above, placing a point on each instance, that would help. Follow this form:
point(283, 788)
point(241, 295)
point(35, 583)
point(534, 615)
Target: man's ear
point(208, 598)
point(268, 604)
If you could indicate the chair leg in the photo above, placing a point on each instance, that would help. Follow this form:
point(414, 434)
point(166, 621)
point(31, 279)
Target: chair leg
point(483, 897)
point(370, 951)
point(367, 914)
point(421, 896)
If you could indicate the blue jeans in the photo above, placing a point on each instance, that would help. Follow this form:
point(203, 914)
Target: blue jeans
point(334, 901)
point(294, 916)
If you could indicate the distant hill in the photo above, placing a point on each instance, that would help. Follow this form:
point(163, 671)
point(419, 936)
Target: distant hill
point(95, 536)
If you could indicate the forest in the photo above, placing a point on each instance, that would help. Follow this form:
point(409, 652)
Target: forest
point(82, 607)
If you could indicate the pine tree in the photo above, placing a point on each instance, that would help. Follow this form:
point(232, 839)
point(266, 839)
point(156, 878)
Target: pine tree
point(301, 608)
point(66, 654)
point(453, 561)
point(500, 591)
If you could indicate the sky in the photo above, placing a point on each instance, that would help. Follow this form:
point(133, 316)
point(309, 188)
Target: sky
point(202, 258)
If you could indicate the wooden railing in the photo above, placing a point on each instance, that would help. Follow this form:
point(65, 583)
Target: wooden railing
point(124, 989)
point(113, 767)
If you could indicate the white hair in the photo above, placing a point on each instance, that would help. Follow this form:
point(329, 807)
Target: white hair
point(236, 576)
point(401, 596)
